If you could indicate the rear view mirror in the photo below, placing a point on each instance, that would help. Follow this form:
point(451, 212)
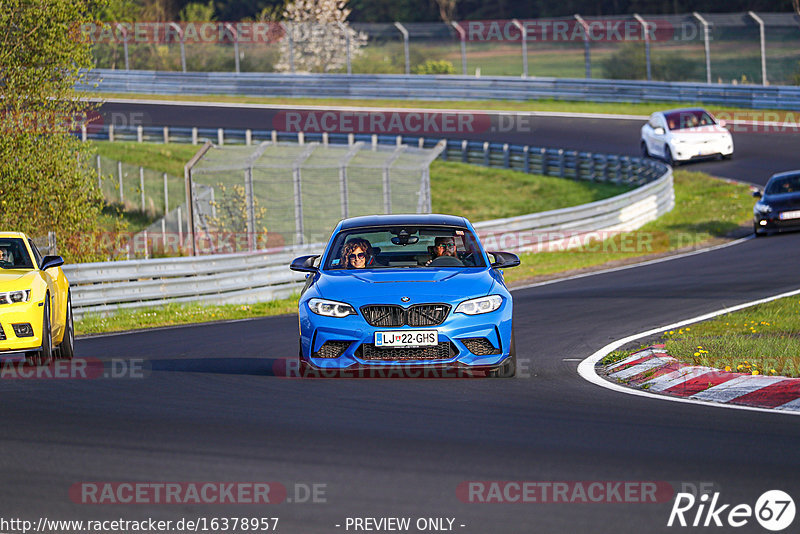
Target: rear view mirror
point(757, 193)
point(658, 130)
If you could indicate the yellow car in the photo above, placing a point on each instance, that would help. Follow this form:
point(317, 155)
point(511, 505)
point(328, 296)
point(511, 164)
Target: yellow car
point(35, 304)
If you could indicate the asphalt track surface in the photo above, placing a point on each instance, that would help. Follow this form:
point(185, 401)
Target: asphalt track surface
point(211, 408)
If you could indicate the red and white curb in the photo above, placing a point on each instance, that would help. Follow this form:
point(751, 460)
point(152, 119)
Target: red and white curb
point(694, 384)
point(654, 370)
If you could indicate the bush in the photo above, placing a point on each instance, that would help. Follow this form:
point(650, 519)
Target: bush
point(629, 63)
point(435, 67)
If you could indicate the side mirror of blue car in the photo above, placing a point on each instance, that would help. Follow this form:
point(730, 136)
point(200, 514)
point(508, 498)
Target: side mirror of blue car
point(304, 264)
point(504, 260)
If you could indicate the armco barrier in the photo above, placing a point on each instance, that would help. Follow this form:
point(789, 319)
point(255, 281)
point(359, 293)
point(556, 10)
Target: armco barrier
point(255, 277)
point(418, 87)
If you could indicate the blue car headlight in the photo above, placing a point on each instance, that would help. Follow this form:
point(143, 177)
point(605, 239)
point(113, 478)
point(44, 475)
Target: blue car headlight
point(480, 305)
point(12, 297)
point(330, 308)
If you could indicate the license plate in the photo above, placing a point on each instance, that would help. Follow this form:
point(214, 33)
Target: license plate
point(790, 215)
point(406, 338)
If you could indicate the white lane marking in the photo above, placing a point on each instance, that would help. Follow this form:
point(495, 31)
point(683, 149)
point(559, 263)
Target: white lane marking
point(736, 387)
point(791, 405)
point(674, 378)
point(639, 368)
point(632, 358)
point(586, 369)
point(635, 265)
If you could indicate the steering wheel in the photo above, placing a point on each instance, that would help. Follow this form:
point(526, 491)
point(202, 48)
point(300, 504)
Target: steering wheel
point(446, 261)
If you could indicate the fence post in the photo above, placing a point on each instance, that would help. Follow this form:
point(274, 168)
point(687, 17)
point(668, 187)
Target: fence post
point(187, 179)
point(506, 156)
point(125, 45)
point(346, 32)
point(464, 151)
point(462, 36)
point(99, 173)
point(706, 39)
point(139, 134)
point(183, 47)
point(141, 185)
point(84, 133)
point(405, 45)
point(646, 44)
point(194, 135)
point(301, 138)
point(251, 211)
point(111, 133)
point(166, 135)
point(526, 151)
point(248, 137)
point(586, 46)
point(763, 47)
point(119, 173)
point(524, 36)
point(220, 137)
point(486, 160)
point(166, 195)
point(561, 162)
point(288, 28)
point(235, 35)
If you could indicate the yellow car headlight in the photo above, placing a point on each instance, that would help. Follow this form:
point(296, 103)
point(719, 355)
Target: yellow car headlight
point(12, 297)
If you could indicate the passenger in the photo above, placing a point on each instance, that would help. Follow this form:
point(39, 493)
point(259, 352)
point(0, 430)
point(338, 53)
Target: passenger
point(357, 253)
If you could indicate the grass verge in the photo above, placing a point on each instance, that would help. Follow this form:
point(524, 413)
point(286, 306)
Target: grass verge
point(564, 106)
point(179, 314)
point(706, 208)
point(763, 339)
point(760, 340)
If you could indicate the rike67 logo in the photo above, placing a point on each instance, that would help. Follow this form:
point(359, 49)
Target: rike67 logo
point(774, 510)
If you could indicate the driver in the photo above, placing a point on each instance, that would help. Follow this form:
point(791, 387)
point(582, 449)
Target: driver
point(443, 246)
point(5, 255)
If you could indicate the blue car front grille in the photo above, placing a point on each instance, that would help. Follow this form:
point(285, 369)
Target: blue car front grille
point(416, 315)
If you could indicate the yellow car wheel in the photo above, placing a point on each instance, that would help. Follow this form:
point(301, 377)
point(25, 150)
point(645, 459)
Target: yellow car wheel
point(45, 355)
point(67, 347)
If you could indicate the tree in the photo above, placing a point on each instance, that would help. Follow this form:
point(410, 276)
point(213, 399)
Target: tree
point(447, 8)
point(46, 182)
point(319, 33)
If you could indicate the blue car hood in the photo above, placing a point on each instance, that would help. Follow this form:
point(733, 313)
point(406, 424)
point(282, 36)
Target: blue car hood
point(420, 285)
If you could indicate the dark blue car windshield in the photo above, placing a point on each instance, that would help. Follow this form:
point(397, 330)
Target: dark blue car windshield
point(787, 184)
point(404, 247)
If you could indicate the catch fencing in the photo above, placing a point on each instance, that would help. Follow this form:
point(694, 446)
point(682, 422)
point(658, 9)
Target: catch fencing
point(696, 47)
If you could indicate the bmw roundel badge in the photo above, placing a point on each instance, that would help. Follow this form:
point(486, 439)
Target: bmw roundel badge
point(405, 299)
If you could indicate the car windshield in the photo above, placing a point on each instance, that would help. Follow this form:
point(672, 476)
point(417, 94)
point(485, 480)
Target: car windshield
point(680, 120)
point(14, 254)
point(786, 184)
point(405, 247)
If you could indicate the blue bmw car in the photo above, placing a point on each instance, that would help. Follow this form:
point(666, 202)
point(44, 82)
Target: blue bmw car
point(406, 293)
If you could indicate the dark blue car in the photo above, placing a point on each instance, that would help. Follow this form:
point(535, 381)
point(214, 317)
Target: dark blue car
point(403, 293)
point(778, 209)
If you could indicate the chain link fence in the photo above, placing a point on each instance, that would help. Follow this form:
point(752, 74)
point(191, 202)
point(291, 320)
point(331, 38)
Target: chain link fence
point(727, 47)
point(278, 194)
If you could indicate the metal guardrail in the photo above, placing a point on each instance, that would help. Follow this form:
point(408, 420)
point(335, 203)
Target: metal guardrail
point(419, 87)
point(247, 278)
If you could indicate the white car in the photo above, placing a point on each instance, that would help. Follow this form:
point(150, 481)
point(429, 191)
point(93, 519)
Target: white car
point(684, 134)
